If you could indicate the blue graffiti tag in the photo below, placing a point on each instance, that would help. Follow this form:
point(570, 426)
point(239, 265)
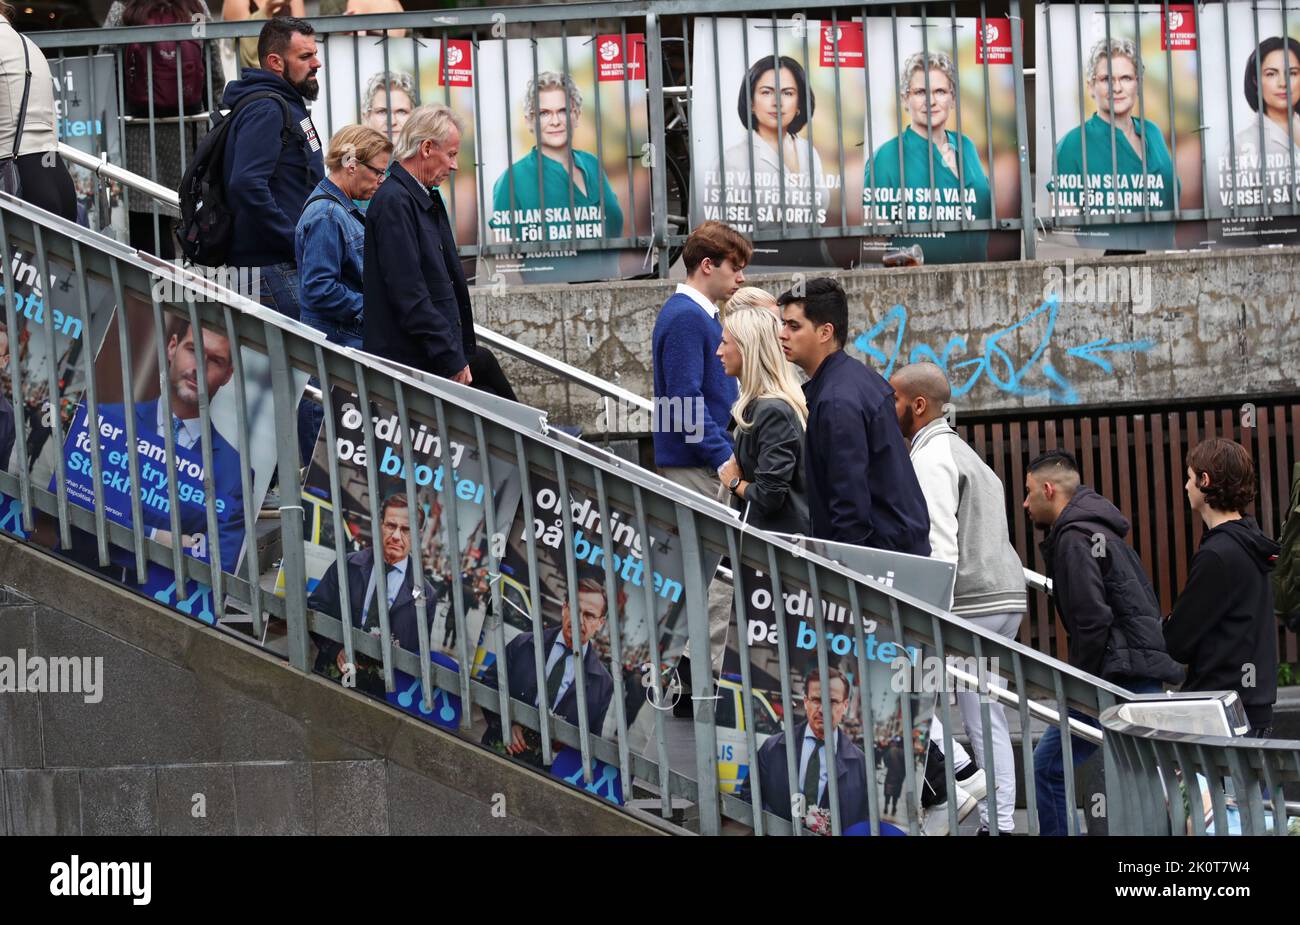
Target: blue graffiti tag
point(994, 363)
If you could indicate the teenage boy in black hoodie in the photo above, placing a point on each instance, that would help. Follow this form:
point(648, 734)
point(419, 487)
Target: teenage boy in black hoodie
point(1222, 624)
point(1105, 600)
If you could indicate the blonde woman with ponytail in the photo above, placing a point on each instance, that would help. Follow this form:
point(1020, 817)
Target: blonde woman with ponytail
point(765, 476)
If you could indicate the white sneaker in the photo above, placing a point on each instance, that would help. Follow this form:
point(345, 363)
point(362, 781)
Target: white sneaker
point(976, 785)
point(935, 821)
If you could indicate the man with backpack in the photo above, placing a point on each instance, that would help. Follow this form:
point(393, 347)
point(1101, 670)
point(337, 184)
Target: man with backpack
point(267, 183)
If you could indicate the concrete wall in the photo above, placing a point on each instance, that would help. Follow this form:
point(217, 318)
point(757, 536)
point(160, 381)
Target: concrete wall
point(187, 710)
point(1186, 325)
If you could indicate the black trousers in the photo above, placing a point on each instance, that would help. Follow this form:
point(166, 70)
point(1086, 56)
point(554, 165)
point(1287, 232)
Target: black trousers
point(48, 187)
point(488, 376)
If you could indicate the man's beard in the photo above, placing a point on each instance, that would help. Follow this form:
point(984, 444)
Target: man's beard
point(308, 87)
point(906, 421)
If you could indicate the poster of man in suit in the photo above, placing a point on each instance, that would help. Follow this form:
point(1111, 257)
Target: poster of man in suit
point(399, 589)
point(455, 568)
point(560, 674)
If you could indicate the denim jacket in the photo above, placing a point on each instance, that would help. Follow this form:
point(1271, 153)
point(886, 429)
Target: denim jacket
point(330, 243)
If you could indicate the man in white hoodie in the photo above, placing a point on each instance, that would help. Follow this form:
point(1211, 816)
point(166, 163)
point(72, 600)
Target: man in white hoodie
point(968, 526)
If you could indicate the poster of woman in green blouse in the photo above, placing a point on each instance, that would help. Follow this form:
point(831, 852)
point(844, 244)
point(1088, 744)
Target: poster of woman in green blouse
point(1110, 144)
point(942, 165)
point(556, 166)
point(929, 171)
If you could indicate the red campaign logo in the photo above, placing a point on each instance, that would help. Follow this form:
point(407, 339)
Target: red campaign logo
point(994, 45)
point(617, 61)
point(456, 68)
point(1178, 28)
point(844, 37)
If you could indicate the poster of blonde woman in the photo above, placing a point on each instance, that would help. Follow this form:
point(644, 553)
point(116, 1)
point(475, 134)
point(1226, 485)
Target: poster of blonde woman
point(1117, 124)
point(942, 137)
point(776, 118)
point(564, 128)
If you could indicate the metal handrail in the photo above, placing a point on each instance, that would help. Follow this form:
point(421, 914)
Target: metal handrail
point(502, 432)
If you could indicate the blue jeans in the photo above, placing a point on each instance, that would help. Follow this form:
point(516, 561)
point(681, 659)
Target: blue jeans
point(278, 289)
point(311, 415)
point(1049, 764)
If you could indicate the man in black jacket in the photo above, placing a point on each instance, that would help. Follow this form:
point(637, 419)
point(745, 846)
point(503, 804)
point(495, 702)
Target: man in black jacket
point(862, 488)
point(417, 308)
point(1222, 626)
point(1105, 600)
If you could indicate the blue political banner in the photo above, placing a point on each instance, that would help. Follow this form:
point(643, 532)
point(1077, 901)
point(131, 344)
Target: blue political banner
point(606, 782)
point(408, 697)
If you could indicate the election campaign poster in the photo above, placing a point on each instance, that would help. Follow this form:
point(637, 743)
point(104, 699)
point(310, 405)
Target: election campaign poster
point(565, 151)
point(31, 419)
point(893, 671)
point(86, 118)
point(447, 562)
point(161, 401)
point(378, 81)
point(941, 132)
point(1252, 153)
point(1118, 123)
point(650, 599)
point(777, 110)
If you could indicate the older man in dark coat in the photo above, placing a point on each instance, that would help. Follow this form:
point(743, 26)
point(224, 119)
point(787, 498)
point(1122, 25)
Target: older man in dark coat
point(417, 307)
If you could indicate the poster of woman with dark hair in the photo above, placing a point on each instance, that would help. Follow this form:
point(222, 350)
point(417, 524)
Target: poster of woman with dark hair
point(1253, 138)
point(772, 164)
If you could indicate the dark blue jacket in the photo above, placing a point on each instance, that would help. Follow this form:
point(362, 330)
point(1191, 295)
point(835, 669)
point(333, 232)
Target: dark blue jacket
point(523, 683)
point(267, 182)
point(850, 777)
point(693, 396)
point(417, 301)
point(402, 622)
point(862, 488)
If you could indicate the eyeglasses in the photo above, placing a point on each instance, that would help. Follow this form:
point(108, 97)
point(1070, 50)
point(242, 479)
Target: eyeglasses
point(375, 170)
point(939, 93)
point(1125, 82)
point(560, 116)
point(817, 704)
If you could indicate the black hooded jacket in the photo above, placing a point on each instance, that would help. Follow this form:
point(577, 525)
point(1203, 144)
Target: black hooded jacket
point(1103, 595)
point(1222, 626)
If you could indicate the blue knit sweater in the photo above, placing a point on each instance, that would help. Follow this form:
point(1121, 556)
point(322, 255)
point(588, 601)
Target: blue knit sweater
point(693, 396)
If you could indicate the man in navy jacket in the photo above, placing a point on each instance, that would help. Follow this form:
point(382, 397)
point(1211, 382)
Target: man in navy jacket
point(417, 308)
point(271, 166)
point(557, 667)
point(862, 488)
point(812, 775)
point(363, 596)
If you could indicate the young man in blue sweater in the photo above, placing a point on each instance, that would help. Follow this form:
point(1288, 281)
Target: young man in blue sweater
point(693, 395)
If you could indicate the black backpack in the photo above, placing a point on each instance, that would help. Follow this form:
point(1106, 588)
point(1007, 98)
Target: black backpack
point(206, 225)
